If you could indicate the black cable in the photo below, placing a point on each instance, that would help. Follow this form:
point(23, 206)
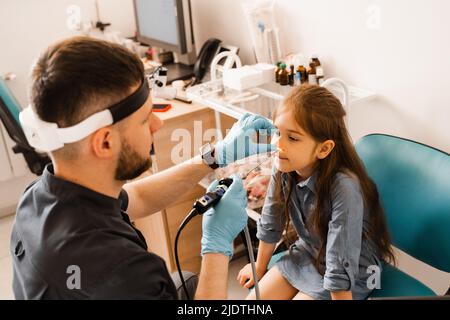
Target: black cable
point(209, 200)
point(186, 220)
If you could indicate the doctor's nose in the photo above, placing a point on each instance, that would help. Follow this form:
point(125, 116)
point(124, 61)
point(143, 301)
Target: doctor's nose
point(155, 123)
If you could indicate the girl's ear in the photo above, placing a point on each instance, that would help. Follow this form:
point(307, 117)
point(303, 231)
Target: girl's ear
point(325, 149)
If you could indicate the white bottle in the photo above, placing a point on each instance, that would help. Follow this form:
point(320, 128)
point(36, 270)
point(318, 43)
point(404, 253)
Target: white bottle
point(312, 79)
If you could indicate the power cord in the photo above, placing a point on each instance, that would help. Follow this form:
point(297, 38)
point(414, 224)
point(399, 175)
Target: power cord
point(186, 220)
point(200, 206)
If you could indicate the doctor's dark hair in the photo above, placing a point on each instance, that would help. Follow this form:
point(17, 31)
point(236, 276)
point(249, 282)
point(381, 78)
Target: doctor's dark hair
point(80, 76)
point(321, 115)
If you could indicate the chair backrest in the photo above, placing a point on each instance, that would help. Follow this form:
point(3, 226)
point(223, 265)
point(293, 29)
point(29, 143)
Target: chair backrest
point(414, 185)
point(9, 115)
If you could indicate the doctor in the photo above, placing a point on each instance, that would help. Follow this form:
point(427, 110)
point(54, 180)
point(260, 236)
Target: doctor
point(73, 237)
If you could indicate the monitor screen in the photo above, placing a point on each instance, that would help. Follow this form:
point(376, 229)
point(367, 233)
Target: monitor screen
point(161, 23)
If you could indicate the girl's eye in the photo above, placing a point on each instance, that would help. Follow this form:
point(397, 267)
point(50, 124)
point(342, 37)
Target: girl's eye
point(293, 139)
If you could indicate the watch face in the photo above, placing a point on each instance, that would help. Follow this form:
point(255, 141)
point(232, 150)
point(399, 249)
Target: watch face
point(206, 152)
point(206, 148)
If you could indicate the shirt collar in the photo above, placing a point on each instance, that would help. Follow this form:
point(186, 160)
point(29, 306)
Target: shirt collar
point(64, 190)
point(310, 182)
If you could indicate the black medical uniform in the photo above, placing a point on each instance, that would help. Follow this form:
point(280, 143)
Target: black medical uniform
point(69, 242)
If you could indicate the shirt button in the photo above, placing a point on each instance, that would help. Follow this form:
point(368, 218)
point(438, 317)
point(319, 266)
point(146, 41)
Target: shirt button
point(19, 250)
point(346, 264)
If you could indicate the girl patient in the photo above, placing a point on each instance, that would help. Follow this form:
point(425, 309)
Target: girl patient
point(320, 185)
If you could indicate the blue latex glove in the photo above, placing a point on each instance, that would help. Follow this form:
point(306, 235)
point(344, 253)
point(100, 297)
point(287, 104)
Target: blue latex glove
point(222, 224)
point(238, 143)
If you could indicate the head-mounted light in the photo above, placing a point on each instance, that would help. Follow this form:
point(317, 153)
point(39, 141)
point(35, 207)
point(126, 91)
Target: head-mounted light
point(47, 136)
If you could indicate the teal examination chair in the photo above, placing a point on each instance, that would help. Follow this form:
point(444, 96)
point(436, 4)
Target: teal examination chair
point(9, 115)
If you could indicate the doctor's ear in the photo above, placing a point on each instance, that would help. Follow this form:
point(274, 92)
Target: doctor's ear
point(324, 149)
point(102, 142)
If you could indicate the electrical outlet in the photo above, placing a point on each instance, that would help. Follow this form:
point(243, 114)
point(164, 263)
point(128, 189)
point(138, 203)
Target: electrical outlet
point(373, 21)
point(74, 18)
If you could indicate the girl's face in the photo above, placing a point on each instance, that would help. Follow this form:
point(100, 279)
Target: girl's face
point(298, 151)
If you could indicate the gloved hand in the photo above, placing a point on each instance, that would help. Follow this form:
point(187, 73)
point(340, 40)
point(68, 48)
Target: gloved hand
point(238, 143)
point(224, 222)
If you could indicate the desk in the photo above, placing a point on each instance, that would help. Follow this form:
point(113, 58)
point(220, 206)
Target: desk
point(160, 228)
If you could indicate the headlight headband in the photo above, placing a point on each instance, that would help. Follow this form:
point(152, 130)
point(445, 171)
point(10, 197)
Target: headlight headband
point(47, 136)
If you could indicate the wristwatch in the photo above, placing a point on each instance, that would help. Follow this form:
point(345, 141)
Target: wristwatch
point(207, 152)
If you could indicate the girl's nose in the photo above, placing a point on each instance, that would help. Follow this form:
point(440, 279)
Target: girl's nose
point(278, 143)
point(275, 140)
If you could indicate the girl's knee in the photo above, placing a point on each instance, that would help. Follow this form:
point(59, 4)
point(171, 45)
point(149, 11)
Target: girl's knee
point(273, 286)
point(302, 296)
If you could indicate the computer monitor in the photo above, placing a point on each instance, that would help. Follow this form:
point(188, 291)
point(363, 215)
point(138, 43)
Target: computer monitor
point(165, 24)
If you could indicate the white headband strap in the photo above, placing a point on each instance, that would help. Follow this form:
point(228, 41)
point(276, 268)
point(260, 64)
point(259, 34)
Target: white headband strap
point(46, 136)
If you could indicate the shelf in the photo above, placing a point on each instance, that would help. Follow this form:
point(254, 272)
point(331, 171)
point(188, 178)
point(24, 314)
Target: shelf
point(267, 98)
point(356, 95)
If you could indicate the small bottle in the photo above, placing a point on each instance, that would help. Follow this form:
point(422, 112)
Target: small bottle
point(297, 79)
point(284, 75)
point(312, 77)
point(277, 70)
point(320, 77)
point(291, 75)
point(302, 74)
point(315, 59)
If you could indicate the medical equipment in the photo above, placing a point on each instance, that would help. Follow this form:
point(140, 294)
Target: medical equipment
point(249, 76)
point(263, 30)
point(260, 164)
point(231, 59)
point(158, 83)
point(209, 200)
point(331, 84)
point(47, 136)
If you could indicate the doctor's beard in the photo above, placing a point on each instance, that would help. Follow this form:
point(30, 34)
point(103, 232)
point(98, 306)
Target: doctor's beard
point(131, 165)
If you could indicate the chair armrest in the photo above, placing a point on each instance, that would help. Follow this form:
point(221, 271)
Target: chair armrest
point(445, 297)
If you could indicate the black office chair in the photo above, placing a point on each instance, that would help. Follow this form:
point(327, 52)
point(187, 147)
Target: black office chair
point(9, 114)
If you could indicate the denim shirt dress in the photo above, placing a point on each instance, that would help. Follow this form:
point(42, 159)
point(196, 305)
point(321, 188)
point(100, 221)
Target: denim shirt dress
point(348, 254)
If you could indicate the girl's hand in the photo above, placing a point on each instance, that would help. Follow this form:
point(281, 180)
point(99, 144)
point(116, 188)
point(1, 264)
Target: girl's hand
point(245, 276)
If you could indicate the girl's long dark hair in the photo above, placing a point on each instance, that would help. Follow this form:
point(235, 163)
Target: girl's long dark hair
point(321, 115)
